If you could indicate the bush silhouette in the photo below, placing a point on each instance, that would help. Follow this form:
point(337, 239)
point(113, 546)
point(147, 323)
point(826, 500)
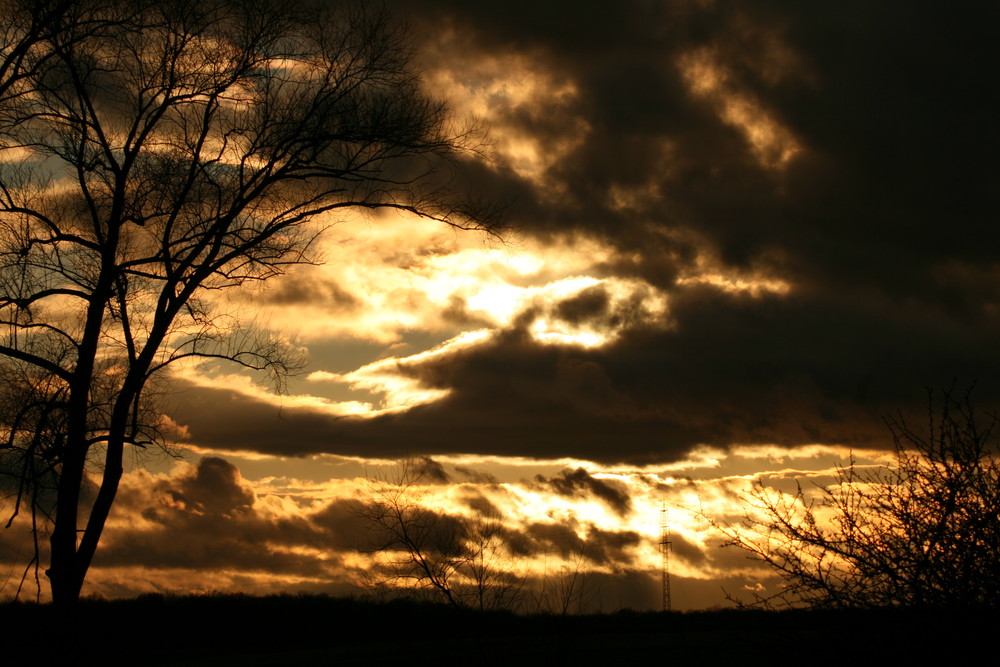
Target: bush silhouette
point(922, 531)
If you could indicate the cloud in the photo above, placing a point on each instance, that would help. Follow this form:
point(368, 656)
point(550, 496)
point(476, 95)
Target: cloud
point(726, 367)
point(580, 483)
point(690, 107)
point(296, 289)
point(476, 476)
point(206, 517)
point(429, 471)
point(574, 541)
point(206, 527)
point(216, 488)
point(736, 230)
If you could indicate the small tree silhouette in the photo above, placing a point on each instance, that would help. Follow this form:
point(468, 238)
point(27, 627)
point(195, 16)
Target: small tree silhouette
point(923, 531)
point(567, 590)
point(463, 561)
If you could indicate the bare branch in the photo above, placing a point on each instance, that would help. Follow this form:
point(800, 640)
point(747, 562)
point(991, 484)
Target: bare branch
point(923, 531)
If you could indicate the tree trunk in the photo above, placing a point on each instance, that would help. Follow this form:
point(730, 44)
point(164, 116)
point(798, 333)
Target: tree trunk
point(64, 573)
point(70, 562)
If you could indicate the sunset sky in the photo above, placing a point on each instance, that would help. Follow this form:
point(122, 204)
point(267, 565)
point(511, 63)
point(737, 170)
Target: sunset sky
point(740, 235)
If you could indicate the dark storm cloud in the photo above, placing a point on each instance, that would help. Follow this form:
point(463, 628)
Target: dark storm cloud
point(324, 293)
point(208, 519)
point(579, 483)
point(882, 223)
point(687, 551)
point(621, 59)
point(476, 476)
point(611, 546)
point(589, 304)
point(564, 539)
point(429, 471)
point(889, 104)
point(437, 531)
point(216, 488)
point(474, 499)
point(788, 370)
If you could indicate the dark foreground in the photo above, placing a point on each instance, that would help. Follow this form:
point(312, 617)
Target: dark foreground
point(306, 630)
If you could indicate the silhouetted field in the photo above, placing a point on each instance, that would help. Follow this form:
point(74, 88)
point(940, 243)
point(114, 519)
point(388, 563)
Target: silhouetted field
point(222, 630)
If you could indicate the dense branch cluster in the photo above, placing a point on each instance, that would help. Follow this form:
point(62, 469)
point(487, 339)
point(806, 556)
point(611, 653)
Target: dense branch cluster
point(150, 153)
point(923, 531)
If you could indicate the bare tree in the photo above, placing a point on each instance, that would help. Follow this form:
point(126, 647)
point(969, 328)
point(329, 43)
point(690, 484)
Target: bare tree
point(151, 154)
point(567, 590)
point(463, 561)
point(466, 561)
point(923, 531)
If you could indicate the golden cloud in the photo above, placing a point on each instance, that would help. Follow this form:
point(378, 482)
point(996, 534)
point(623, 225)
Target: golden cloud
point(709, 78)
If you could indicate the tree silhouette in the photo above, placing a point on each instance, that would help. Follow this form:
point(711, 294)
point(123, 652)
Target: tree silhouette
point(568, 590)
point(923, 531)
point(462, 561)
point(473, 561)
point(151, 154)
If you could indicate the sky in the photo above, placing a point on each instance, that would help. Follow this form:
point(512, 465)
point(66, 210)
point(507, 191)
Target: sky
point(740, 235)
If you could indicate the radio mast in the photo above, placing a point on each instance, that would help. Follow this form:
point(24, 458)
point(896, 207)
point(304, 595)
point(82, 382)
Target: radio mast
point(665, 548)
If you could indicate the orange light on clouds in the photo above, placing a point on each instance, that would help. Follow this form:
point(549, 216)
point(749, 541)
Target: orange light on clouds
point(708, 77)
point(567, 528)
point(494, 87)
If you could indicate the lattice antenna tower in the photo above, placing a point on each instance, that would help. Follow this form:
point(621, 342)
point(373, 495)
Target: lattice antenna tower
point(665, 548)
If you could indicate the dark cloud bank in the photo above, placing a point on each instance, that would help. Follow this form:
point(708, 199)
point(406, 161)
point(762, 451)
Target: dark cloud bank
point(883, 224)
